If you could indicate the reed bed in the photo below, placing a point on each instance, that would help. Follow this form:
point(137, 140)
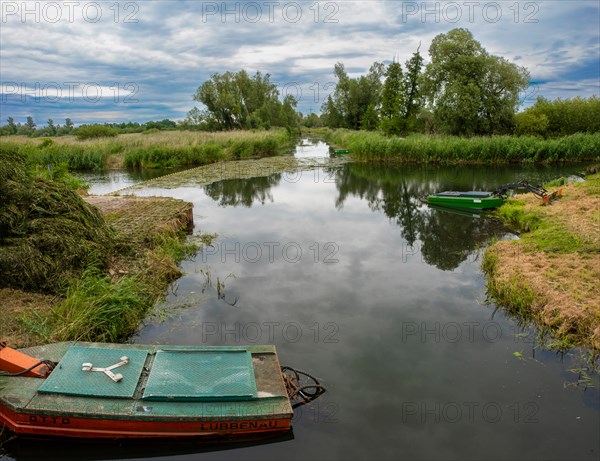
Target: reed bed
point(374, 146)
point(164, 149)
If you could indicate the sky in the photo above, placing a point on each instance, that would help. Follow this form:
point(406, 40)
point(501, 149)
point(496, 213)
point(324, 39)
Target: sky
point(121, 61)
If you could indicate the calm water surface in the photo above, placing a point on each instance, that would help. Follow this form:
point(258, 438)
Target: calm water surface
point(357, 282)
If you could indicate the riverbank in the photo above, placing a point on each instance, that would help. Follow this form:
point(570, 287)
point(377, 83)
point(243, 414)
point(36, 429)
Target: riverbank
point(551, 273)
point(376, 147)
point(165, 149)
point(82, 269)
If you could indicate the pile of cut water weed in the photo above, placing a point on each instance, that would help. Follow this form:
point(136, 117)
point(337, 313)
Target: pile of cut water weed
point(48, 234)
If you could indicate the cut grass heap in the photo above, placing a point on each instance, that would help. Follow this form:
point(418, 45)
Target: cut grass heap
point(551, 273)
point(105, 262)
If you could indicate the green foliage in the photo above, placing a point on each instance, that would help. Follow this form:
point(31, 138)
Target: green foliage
point(95, 131)
point(470, 91)
point(351, 99)
point(560, 117)
point(529, 123)
point(453, 149)
point(393, 103)
point(234, 100)
point(370, 119)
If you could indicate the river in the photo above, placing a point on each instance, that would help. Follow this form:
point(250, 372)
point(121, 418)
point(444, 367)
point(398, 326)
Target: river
point(357, 282)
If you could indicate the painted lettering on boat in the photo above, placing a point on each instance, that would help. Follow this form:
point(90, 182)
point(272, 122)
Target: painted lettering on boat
point(241, 425)
point(49, 420)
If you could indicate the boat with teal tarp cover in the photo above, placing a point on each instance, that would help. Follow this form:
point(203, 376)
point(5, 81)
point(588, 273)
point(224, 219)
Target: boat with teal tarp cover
point(96, 390)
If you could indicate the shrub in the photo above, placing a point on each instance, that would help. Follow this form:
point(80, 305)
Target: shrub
point(95, 131)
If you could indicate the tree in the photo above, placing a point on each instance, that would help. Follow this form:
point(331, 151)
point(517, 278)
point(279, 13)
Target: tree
point(234, 100)
point(30, 123)
point(331, 115)
point(353, 96)
point(412, 88)
point(370, 119)
point(393, 106)
point(469, 91)
point(12, 127)
point(51, 127)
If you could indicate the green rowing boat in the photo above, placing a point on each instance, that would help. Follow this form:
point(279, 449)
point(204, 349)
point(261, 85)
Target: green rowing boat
point(472, 200)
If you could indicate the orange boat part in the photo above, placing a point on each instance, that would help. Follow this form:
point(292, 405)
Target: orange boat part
point(13, 361)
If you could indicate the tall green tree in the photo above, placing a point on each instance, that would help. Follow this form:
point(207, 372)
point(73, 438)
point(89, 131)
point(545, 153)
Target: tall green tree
point(393, 102)
point(412, 88)
point(470, 91)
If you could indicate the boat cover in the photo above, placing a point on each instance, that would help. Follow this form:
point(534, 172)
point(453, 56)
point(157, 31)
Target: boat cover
point(174, 375)
point(471, 194)
point(201, 375)
point(68, 378)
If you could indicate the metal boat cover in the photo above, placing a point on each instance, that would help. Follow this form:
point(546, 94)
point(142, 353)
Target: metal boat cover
point(201, 376)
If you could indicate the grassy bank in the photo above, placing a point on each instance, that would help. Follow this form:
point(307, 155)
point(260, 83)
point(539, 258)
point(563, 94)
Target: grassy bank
point(374, 146)
point(551, 273)
point(81, 270)
point(165, 149)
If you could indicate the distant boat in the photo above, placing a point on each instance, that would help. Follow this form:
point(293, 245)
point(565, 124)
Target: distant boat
point(472, 200)
point(116, 391)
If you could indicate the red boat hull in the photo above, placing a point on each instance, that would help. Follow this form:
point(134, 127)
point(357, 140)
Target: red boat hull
point(67, 426)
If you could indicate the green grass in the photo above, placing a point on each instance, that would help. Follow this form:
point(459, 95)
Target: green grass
point(374, 146)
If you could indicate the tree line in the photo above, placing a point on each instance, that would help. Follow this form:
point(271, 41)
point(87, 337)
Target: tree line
point(30, 127)
point(463, 91)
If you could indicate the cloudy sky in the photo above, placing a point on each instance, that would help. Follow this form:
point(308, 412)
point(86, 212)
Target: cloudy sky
point(143, 60)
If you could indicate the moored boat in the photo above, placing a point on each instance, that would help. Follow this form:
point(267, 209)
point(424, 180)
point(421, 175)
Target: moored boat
point(93, 390)
point(473, 200)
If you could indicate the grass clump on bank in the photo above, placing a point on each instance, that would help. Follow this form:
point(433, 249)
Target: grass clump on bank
point(375, 146)
point(551, 273)
point(97, 272)
point(165, 149)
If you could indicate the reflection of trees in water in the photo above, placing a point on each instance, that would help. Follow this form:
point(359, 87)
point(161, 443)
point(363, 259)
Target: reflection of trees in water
point(236, 192)
point(446, 238)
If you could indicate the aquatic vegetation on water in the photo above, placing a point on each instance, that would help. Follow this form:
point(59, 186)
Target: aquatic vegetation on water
point(241, 169)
